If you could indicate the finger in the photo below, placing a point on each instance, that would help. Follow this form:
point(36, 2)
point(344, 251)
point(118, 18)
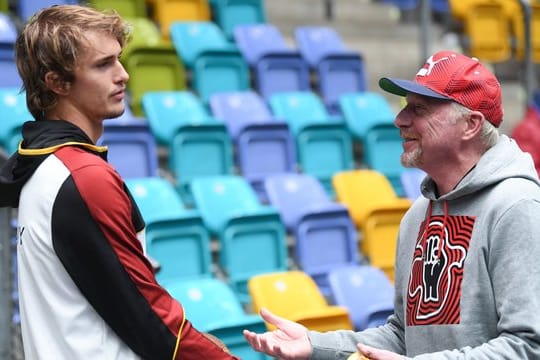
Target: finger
point(271, 318)
point(252, 339)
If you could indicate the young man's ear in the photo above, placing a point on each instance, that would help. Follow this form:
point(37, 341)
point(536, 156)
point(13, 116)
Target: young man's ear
point(56, 84)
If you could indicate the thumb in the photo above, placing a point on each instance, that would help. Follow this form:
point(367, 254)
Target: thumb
point(273, 319)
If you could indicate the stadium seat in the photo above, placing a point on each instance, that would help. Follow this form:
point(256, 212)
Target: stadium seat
point(275, 66)
point(132, 148)
point(411, 179)
point(338, 69)
point(166, 12)
point(212, 307)
point(181, 122)
point(376, 211)
point(264, 144)
point(215, 64)
point(14, 113)
point(8, 68)
point(128, 9)
point(515, 13)
point(175, 236)
point(251, 236)
point(323, 143)
point(295, 296)
point(228, 14)
point(27, 8)
point(153, 68)
point(325, 235)
point(4, 6)
point(365, 291)
point(364, 110)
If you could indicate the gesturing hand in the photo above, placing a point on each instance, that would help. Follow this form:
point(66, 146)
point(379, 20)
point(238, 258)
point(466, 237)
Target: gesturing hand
point(289, 341)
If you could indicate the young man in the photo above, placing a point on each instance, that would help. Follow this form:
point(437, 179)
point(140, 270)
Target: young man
point(87, 291)
point(467, 268)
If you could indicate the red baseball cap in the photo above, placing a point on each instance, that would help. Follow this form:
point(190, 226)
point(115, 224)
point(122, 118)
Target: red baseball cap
point(453, 76)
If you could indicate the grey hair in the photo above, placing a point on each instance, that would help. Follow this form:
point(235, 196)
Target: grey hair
point(489, 133)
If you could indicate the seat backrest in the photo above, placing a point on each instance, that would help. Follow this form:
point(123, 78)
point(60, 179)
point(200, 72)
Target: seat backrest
point(219, 198)
point(363, 190)
point(293, 194)
point(239, 109)
point(27, 8)
point(365, 291)
point(153, 69)
point(364, 110)
point(192, 38)
point(14, 113)
point(286, 294)
point(8, 36)
point(168, 111)
point(207, 302)
point(144, 34)
point(298, 108)
point(129, 9)
point(166, 12)
point(411, 178)
point(132, 149)
point(317, 42)
point(156, 198)
point(257, 40)
point(232, 13)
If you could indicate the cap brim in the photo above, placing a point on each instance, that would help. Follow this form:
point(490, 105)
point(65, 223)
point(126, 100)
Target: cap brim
point(403, 87)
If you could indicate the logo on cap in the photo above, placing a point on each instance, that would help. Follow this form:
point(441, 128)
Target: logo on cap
point(430, 64)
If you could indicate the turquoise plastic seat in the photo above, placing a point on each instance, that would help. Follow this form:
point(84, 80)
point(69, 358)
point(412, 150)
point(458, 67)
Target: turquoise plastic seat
point(382, 152)
point(323, 143)
point(231, 13)
point(216, 64)
point(364, 110)
point(175, 236)
point(252, 237)
point(199, 145)
point(212, 306)
point(14, 113)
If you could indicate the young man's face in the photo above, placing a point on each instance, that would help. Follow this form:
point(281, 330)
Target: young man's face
point(97, 93)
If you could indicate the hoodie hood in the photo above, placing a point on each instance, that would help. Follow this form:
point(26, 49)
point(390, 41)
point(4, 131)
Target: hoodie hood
point(502, 161)
point(40, 139)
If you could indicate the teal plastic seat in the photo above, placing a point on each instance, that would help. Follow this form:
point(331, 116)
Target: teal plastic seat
point(364, 110)
point(230, 13)
point(216, 64)
point(323, 143)
point(14, 113)
point(251, 236)
point(382, 152)
point(212, 306)
point(175, 236)
point(198, 144)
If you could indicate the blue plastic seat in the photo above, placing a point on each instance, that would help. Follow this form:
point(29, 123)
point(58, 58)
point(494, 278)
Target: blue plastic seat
point(264, 144)
point(212, 306)
point(175, 236)
point(198, 144)
point(276, 66)
point(325, 235)
point(338, 69)
point(323, 143)
point(14, 113)
point(251, 236)
point(229, 14)
point(27, 8)
point(366, 292)
point(216, 65)
point(411, 179)
point(132, 147)
point(8, 68)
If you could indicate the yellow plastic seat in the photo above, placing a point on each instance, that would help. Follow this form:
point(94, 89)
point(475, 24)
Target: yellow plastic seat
point(168, 11)
point(376, 211)
point(295, 296)
point(516, 14)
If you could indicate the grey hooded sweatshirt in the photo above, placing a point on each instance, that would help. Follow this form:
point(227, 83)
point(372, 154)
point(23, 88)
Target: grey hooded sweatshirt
point(467, 286)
